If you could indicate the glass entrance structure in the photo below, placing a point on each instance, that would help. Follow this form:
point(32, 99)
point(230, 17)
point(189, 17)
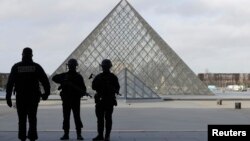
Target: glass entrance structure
point(144, 62)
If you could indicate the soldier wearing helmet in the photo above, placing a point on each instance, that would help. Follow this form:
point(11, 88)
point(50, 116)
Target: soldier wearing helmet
point(107, 86)
point(72, 88)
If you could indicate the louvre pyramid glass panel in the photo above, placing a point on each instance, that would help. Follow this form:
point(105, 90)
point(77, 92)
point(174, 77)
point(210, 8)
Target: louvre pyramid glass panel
point(133, 88)
point(130, 43)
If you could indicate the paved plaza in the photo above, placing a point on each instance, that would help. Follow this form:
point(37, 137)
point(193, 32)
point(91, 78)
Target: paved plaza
point(175, 120)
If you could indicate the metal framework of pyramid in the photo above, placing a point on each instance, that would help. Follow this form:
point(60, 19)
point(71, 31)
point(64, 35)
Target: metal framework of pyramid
point(132, 45)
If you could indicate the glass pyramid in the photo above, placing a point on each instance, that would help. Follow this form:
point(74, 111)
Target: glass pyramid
point(132, 45)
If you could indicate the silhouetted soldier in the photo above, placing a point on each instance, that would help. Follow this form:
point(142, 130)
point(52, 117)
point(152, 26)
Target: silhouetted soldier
point(73, 88)
point(107, 86)
point(24, 78)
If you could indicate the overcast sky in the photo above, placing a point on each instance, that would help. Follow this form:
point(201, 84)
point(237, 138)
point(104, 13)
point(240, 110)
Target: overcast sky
point(209, 35)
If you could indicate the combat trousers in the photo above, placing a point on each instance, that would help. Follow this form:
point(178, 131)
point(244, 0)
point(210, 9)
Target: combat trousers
point(74, 105)
point(104, 116)
point(27, 110)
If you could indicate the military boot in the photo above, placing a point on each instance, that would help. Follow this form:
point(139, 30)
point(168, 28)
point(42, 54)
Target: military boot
point(107, 137)
point(98, 138)
point(65, 136)
point(79, 134)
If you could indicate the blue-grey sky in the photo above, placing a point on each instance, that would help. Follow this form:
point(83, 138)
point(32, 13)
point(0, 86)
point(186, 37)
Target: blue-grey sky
point(209, 35)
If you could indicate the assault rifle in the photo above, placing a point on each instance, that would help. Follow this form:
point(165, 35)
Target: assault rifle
point(70, 84)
